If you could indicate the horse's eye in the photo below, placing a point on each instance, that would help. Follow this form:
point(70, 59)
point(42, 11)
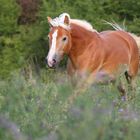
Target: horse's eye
point(64, 39)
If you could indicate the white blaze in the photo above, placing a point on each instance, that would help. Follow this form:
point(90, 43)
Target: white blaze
point(53, 47)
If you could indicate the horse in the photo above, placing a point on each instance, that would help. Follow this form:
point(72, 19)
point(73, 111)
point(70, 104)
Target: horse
point(91, 54)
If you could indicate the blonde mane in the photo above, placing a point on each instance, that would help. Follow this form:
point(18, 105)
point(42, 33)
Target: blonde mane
point(59, 21)
point(83, 24)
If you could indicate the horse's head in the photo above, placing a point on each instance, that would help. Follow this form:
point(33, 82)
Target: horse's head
point(59, 39)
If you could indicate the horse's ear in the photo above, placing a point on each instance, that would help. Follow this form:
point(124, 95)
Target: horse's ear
point(66, 20)
point(49, 21)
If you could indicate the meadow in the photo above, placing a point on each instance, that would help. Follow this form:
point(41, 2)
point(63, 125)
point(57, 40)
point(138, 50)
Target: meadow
point(38, 108)
point(34, 100)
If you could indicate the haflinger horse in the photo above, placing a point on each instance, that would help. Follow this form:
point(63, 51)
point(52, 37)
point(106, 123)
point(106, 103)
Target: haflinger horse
point(91, 54)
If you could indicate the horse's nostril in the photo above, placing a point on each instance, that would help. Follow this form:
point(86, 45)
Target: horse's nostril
point(51, 62)
point(54, 61)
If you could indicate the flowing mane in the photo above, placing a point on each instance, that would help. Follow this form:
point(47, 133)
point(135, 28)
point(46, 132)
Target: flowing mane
point(83, 23)
point(59, 21)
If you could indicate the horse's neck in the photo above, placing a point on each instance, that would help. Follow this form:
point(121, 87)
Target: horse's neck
point(81, 38)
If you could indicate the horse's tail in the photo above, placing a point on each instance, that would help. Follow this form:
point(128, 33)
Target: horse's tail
point(137, 39)
point(123, 28)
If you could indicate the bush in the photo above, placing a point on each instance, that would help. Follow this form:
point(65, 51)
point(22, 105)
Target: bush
point(9, 11)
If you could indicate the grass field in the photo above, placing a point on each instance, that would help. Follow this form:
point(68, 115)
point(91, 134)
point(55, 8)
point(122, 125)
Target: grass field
point(36, 108)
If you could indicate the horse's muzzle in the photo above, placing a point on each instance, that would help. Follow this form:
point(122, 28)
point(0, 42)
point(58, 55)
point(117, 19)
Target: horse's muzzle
point(51, 63)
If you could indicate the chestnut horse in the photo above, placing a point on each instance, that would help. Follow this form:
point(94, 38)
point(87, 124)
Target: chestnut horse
point(91, 52)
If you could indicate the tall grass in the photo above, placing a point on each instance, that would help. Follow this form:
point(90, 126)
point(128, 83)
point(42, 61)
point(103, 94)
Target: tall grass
point(37, 107)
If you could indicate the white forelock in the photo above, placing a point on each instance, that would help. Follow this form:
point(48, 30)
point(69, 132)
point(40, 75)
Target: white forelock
point(59, 21)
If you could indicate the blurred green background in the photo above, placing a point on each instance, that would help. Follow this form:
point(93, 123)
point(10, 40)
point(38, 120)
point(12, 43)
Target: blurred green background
point(33, 97)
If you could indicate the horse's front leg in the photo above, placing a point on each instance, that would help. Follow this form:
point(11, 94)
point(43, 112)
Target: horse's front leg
point(71, 71)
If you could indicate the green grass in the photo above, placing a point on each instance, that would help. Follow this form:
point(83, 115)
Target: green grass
point(37, 106)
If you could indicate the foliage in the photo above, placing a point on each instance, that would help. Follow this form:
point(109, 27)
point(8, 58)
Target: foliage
point(9, 12)
point(38, 108)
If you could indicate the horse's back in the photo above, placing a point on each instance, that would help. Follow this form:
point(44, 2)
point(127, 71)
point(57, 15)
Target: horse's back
point(119, 39)
point(121, 35)
point(121, 48)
